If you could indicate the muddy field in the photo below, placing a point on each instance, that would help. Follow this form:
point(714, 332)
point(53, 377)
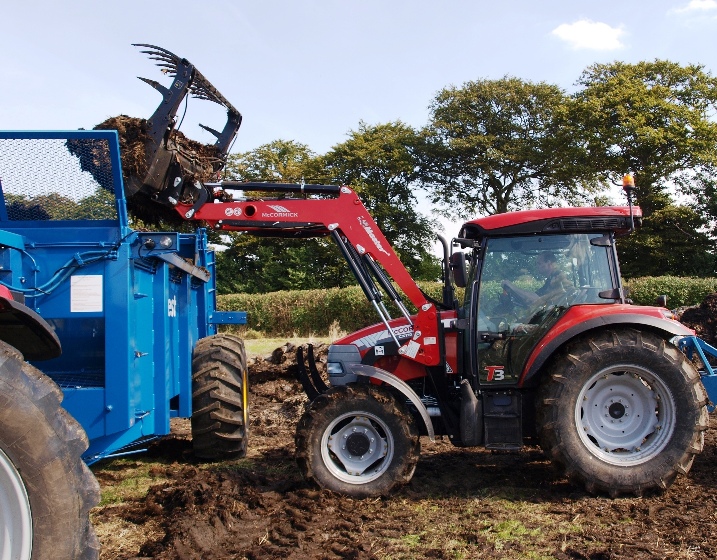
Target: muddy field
point(460, 503)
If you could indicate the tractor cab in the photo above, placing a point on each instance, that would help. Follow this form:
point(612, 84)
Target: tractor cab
point(527, 270)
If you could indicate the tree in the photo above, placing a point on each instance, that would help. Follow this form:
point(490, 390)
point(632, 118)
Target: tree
point(671, 240)
point(701, 186)
point(499, 145)
point(258, 265)
point(100, 205)
point(655, 120)
point(379, 162)
point(265, 264)
point(282, 161)
point(651, 118)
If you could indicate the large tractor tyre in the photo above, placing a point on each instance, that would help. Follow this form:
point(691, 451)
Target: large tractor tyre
point(357, 440)
point(46, 490)
point(622, 412)
point(220, 394)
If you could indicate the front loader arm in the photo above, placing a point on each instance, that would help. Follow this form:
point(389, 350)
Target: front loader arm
point(175, 174)
point(341, 215)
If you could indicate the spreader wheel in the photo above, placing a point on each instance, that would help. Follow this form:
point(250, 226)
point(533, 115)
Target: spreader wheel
point(46, 490)
point(623, 412)
point(357, 440)
point(220, 394)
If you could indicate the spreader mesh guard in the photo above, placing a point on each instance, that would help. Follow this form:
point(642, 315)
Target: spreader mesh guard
point(56, 179)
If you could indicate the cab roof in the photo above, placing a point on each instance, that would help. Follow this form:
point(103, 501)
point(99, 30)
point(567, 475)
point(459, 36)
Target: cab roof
point(554, 220)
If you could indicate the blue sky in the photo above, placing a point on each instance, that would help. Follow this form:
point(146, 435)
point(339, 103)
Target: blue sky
point(310, 71)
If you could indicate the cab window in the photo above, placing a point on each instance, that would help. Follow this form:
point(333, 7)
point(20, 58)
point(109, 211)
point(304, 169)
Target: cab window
point(524, 276)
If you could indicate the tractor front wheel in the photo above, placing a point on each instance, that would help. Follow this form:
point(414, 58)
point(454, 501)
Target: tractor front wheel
point(357, 440)
point(46, 490)
point(622, 412)
point(220, 394)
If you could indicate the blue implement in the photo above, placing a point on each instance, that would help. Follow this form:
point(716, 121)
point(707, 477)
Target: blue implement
point(697, 349)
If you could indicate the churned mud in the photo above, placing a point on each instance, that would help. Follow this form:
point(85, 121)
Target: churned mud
point(461, 503)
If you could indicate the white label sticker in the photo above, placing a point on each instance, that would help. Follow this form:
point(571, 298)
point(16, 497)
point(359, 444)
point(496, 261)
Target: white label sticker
point(429, 340)
point(412, 349)
point(86, 293)
point(378, 351)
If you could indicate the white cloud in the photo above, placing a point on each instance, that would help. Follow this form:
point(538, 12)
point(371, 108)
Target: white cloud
point(698, 6)
point(592, 35)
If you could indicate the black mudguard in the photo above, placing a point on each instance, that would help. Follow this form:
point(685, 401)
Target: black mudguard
point(29, 333)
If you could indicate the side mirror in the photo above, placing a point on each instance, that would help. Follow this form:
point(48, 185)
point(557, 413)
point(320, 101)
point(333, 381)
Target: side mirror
point(458, 269)
point(602, 241)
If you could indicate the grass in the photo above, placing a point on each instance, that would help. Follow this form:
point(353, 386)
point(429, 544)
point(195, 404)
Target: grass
point(256, 344)
point(136, 479)
point(513, 529)
point(265, 346)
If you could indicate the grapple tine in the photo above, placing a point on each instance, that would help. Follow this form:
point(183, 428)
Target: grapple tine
point(157, 51)
point(309, 389)
point(315, 375)
point(168, 167)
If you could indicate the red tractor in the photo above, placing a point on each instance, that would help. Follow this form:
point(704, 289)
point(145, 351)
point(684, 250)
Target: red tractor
point(545, 346)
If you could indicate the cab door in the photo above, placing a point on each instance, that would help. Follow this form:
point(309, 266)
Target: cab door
point(521, 287)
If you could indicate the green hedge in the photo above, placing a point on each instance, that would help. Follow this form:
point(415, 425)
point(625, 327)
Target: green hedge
point(679, 291)
point(316, 312)
point(310, 312)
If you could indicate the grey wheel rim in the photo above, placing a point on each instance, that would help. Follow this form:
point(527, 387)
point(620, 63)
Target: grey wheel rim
point(625, 415)
point(357, 447)
point(15, 514)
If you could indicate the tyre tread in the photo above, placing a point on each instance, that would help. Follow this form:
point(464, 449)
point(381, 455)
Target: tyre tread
point(322, 410)
point(219, 374)
point(575, 358)
point(63, 489)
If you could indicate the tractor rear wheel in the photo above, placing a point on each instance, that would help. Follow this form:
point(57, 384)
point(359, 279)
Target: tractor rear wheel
point(220, 394)
point(357, 440)
point(46, 490)
point(622, 412)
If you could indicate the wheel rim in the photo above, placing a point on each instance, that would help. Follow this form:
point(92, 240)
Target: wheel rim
point(625, 415)
point(15, 515)
point(357, 447)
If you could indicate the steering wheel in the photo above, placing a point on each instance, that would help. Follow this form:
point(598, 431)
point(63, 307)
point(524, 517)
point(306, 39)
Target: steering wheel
point(544, 304)
point(516, 296)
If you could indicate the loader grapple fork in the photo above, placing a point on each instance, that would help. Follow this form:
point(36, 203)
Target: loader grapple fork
point(310, 380)
point(171, 170)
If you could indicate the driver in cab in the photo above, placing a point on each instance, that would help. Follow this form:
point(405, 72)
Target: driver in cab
point(556, 281)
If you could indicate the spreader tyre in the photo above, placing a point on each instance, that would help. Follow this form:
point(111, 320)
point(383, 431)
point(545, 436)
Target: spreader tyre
point(622, 412)
point(357, 440)
point(220, 388)
point(46, 490)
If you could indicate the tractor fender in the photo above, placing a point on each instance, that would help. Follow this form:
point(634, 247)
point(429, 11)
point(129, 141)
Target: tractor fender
point(547, 347)
point(26, 330)
point(387, 377)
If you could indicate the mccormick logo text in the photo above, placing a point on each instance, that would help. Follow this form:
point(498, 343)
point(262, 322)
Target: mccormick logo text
point(372, 235)
point(279, 212)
